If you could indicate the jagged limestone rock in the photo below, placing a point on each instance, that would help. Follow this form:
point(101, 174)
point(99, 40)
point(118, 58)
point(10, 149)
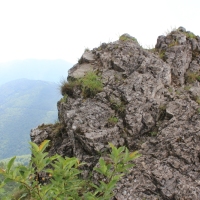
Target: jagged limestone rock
point(154, 96)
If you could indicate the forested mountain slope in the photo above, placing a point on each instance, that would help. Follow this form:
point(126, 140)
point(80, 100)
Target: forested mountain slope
point(23, 105)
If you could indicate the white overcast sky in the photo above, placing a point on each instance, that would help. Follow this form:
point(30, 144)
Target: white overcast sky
point(62, 29)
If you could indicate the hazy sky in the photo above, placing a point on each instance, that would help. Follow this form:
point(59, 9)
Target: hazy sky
point(62, 29)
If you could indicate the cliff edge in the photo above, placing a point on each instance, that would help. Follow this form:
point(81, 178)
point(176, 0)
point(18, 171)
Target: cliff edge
point(150, 101)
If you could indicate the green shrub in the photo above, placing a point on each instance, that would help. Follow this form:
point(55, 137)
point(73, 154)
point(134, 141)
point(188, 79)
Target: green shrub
point(162, 54)
point(178, 92)
point(190, 35)
point(118, 106)
point(112, 120)
point(59, 178)
point(187, 87)
point(64, 98)
point(67, 87)
point(162, 107)
point(191, 77)
point(91, 84)
point(57, 128)
point(173, 43)
point(170, 90)
point(126, 37)
point(198, 99)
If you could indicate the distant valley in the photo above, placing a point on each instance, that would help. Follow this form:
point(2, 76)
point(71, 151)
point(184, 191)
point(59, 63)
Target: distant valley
point(24, 104)
point(29, 91)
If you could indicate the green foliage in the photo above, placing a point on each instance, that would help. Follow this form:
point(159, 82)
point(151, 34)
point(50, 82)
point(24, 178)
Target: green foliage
point(178, 92)
point(67, 87)
point(112, 120)
point(170, 90)
point(187, 87)
point(24, 104)
point(162, 107)
point(56, 128)
point(118, 106)
point(10, 186)
point(126, 38)
point(198, 99)
point(90, 85)
point(55, 177)
point(173, 43)
point(190, 35)
point(191, 77)
point(64, 98)
point(153, 134)
point(162, 54)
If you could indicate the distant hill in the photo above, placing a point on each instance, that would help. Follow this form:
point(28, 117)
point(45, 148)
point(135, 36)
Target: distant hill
point(23, 159)
point(23, 105)
point(46, 70)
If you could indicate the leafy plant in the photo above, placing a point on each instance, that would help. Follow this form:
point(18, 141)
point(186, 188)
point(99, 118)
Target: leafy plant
point(91, 84)
point(59, 178)
point(113, 168)
point(112, 120)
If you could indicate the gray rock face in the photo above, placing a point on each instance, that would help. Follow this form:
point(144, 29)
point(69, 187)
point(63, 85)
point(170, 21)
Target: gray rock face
point(156, 101)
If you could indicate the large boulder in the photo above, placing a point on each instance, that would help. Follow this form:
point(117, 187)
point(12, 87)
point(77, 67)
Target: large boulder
point(155, 99)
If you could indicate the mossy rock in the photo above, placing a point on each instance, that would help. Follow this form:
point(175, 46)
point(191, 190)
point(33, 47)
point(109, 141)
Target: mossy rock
point(126, 37)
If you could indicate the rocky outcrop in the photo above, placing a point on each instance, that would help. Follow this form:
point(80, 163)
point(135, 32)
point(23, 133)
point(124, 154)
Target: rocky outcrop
point(154, 95)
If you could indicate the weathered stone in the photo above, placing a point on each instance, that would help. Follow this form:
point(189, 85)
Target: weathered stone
point(79, 70)
point(182, 29)
point(156, 115)
point(87, 57)
point(178, 54)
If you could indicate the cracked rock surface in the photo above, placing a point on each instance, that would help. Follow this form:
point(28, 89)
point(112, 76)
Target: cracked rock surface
point(155, 96)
